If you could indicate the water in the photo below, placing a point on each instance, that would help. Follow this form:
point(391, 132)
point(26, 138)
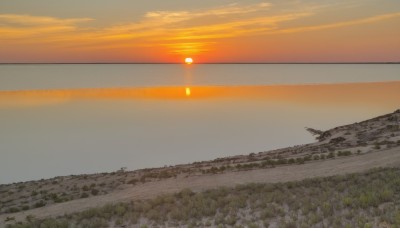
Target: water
point(21, 77)
point(72, 119)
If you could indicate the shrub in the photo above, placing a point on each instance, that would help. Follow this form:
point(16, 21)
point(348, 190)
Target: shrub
point(344, 153)
point(94, 192)
point(40, 204)
point(12, 210)
point(29, 218)
point(300, 160)
point(120, 209)
point(133, 181)
point(386, 195)
point(347, 201)
point(84, 195)
point(307, 158)
point(9, 219)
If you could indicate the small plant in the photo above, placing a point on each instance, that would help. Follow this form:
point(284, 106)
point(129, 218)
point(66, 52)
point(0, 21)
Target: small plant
point(12, 210)
point(95, 192)
point(84, 195)
point(40, 204)
point(8, 219)
point(299, 160)
point(29, 218)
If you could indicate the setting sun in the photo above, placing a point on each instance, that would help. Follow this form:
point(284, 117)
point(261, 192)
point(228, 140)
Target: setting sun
point(188, 60)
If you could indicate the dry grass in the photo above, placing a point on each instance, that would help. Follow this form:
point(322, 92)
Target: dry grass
point(369, 199)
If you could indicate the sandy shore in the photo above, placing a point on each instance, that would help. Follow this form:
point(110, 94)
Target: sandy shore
point(356, 163)
point(367, 144)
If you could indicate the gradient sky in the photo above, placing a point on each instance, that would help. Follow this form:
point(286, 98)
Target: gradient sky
point(207, 30)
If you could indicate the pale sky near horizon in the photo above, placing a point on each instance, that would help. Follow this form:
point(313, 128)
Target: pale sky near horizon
point(208, 31)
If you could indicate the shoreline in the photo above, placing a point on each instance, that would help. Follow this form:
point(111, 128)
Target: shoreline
point(345, 149)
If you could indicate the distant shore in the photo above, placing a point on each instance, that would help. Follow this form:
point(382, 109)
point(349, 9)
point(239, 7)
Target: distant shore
point(208, 63)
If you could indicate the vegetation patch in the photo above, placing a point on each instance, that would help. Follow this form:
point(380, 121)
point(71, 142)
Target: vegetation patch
point(369, 199)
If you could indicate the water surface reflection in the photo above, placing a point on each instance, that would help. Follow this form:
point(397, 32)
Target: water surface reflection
point(380, 94)
point(45, 133)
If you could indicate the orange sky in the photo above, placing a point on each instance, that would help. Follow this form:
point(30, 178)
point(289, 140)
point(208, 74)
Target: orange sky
point(213, 31)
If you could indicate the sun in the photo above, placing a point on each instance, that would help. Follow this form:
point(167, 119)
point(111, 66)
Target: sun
point(188, 60)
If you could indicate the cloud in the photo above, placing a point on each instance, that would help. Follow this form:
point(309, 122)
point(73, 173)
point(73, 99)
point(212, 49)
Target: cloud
point(14, 26)
point(180, 32)
point(194, 31)
point(233, 9)
point(28, 20)
point(341, 24)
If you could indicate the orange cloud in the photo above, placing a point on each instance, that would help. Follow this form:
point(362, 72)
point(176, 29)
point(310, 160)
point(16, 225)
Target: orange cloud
point(177, 32)
point(341, 24)
point(26, 26)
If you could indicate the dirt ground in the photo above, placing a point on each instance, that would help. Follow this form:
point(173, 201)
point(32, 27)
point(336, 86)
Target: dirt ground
point(343, 165)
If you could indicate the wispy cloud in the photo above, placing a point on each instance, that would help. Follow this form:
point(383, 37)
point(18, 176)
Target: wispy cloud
point(180, 32)
point(28, 20)
point(14, 26)
point(232, 9)
point(340, 24)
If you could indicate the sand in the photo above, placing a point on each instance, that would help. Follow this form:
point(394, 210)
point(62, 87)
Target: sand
point(343, 165)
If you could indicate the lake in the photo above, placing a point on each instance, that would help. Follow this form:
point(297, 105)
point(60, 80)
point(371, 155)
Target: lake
point(63, 119)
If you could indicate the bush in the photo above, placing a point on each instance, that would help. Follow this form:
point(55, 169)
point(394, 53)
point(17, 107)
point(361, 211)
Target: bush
point(12, 210)
point(344, 153)
point(85, 188)
point(347, 201)
point(84, 195)
point(133, 181)
point(40, 204)
point(94, 192)
point(299, 160)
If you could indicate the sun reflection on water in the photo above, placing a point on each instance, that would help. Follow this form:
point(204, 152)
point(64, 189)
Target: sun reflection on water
point(187, 91)
point(362, 93)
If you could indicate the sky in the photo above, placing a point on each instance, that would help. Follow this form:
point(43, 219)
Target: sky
point(209, 31)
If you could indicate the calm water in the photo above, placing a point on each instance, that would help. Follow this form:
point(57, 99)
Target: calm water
point(72, 119)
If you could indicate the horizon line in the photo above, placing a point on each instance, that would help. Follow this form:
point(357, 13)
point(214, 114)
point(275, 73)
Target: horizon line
point(167, 63)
